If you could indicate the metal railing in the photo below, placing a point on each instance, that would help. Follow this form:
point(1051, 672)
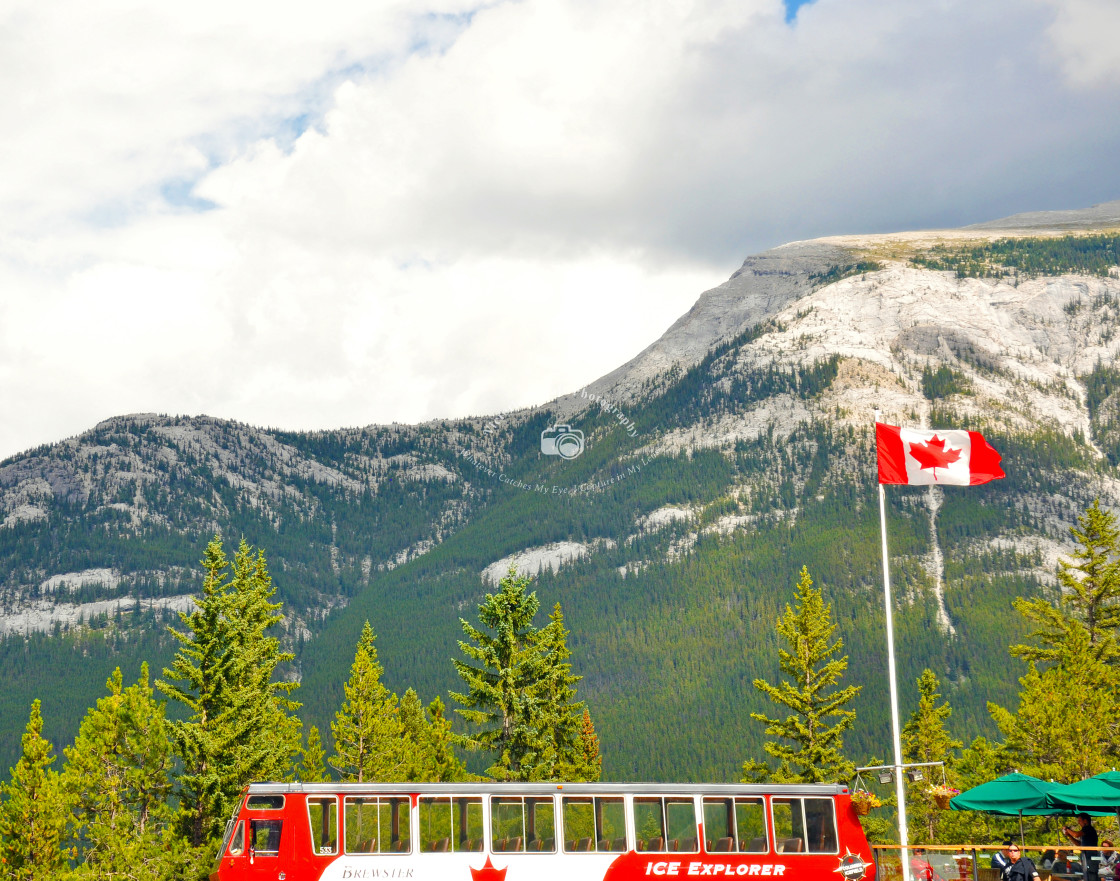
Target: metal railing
point(956, 862)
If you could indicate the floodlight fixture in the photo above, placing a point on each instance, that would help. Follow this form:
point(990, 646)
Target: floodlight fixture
point(915, 774)
point(885, 777)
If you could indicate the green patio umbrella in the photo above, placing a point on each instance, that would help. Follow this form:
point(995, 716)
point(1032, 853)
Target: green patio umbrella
point(1098, 796)
point(1011, 795)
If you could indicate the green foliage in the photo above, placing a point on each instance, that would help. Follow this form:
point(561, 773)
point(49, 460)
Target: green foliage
point(1029, 257)
point(811, 749)
point(503, 699)
point(1046, 736)
point(117, 780)
point(368, 733)
point(1101, 387)
point(1090, 597)
point(841, 271)
point(925, 739)
point(589, 765)
point(520, 689)
point(33, 812)
point(240, 726)
point(313, 764)
point(943, 382)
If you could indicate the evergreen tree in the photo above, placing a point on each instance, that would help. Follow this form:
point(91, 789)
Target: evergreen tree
point(978, 763)
point(414, 731)
point(313, 766)
point(589, 767)
point(812, 734)
point(117, 780)
point(562, 756)
point(1090, 596)
point(1044, 737)
point(368, 735)
point(240, 726)
point(924, 739)
point(33, 812)
point(506, 696)
point(445, 766)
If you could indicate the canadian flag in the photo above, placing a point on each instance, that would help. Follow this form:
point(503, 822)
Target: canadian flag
point(946, 458)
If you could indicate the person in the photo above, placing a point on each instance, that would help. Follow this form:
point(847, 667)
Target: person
point(1021, 869)
point(920, 869)
point(1109, 857)
point(1001, 861)
point(1061, 864)
point(1086, 838)
point(1047, 860)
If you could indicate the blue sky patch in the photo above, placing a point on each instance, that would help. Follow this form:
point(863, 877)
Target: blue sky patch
point(792, 6)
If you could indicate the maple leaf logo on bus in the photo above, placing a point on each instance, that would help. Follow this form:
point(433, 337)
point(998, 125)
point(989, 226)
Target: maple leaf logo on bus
point(933, 454)
point(488, 873)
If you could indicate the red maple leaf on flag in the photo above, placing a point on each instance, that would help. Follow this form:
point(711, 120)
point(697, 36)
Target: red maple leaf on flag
point(932, 454)
point(488, 873)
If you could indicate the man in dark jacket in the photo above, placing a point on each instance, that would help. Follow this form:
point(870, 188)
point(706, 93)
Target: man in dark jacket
point(1086, 839)
point(1021, 869)
point(1001, 861)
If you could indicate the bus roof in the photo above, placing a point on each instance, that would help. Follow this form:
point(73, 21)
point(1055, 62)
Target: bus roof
point(818, 789)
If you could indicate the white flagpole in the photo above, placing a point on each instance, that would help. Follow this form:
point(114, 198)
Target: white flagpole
point(899, 785)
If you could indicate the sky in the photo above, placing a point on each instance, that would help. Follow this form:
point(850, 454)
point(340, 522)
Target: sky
point(312, 216)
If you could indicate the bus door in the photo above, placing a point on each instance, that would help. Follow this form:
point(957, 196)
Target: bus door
point(263, 840)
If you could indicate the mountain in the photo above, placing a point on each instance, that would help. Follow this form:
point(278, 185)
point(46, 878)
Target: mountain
point(697, 480)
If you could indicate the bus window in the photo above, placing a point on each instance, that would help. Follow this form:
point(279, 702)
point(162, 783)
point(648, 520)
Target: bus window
point(735, 824)
point(322, 813)
point(665, 824)
point(680, 823)
point(594, 825)
point(805, 825)
point(264, 802)
point(450, 825)
point(820, 825)
point(467, 820)
point(540, 825)
point(750, 825)
point(507, 825)
point(522, 825)
point(237, 841)
point(377, 824)
point(264, 837)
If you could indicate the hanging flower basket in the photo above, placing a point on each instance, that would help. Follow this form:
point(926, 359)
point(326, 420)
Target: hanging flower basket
point(942, 794)
point(863, 801)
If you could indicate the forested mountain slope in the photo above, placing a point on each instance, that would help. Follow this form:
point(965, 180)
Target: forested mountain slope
point(714, 465)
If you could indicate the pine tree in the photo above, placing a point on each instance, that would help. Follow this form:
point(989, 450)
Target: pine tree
point(313, 766)
point(562, 756)
point(1044, 738)
point(1090, 594)
point(814, 730)
point(240, 726)
point(924, 739)
point(589, 766)
point(445, 766)
point(417, 740)
point(506, 691)
point(118, 779)
point(367, 730)
point(33, 812)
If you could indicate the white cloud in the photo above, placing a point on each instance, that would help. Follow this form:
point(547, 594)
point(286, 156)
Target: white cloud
point(454, 208)
point(1086, 33)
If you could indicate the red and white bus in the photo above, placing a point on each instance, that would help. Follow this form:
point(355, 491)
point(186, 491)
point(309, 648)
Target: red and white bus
point(541, 832)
